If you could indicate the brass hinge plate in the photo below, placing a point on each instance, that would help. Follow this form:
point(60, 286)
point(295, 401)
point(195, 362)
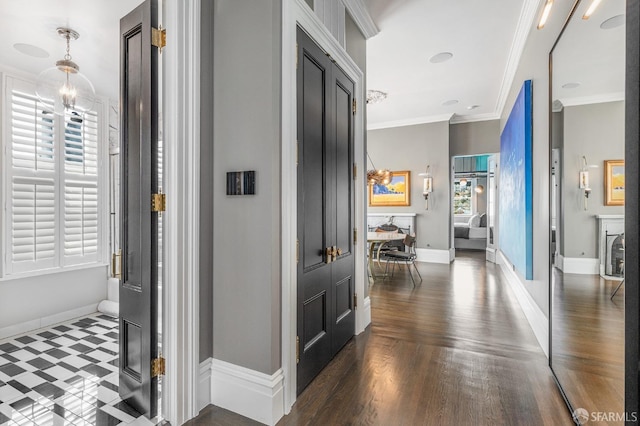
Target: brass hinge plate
point(297, 251)
point(159, 37)
point(355, 171)
point(297, 349)
point(355, 106)
point(355, 301)
point(355, 235)
point(158, 202)
point(157, 367)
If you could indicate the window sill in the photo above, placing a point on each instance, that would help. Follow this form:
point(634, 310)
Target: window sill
point(52, 271)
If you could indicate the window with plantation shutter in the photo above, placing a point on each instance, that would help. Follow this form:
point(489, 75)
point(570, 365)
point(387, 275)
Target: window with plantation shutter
point(51, 184)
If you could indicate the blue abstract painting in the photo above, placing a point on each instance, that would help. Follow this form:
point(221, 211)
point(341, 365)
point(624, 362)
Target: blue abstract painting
point(516, 185)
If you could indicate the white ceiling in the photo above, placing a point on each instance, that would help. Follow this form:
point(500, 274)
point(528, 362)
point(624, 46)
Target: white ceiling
point(591, 56)
point(482, 36)
point(34, 22)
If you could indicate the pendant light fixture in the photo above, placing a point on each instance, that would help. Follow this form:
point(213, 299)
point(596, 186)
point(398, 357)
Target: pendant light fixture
point(380, 177)
point(64, 88)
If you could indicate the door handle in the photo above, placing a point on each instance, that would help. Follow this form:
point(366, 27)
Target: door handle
point(116, 265)
point(329, 252)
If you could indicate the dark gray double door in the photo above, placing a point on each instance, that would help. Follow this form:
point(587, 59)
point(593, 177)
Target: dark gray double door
point(325, 305)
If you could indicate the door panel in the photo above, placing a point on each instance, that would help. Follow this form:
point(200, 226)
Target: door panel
point(138, 284)
point(326, 320)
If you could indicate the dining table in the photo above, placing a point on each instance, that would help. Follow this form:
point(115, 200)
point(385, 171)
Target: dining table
point(383, 238)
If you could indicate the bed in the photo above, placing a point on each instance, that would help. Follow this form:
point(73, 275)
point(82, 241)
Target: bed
point(471, 235)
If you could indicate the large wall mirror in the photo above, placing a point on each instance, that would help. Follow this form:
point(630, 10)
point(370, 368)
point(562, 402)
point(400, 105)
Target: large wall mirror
point(587, 210)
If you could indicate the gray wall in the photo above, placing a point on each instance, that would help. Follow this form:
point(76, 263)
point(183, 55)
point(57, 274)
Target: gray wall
point(413, 148)
point(480, 137)
point(246, 229)
point(356, 44)
point(206, 177)
point(534, 65)
point(597, 132)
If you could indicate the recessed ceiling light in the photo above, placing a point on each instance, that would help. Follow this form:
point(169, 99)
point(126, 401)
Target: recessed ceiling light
point(440, 57)
point(592, 8)
point(545, 14)
point(613, 22)
point(450, 102)
point(470, 107)
point(571, 85)
point(31, 50)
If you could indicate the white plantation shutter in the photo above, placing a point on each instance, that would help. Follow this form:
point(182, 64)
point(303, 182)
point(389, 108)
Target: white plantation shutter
point(52, 184)
point(32, 224)
point(80, 188)
point(80, 222)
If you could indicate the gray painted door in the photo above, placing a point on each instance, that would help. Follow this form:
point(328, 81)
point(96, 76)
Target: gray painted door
point(139, 225)
point(325, 306)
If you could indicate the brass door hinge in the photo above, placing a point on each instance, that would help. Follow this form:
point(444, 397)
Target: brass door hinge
point(355, 107)
point(157, 367)
point(159, 38)
point(355, 301)
point(355, 235)
point(297, 251)
point(158, 202)
point(297, 349)
point(116, 264)
point(355, 171)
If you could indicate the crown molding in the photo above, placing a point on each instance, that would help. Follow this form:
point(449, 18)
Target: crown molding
point(360, 14)
point(458, 119)
point(525, 23)
point(409, 121)
point(593, 99)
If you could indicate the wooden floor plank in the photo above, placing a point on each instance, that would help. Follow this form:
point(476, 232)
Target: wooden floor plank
point(455, 350)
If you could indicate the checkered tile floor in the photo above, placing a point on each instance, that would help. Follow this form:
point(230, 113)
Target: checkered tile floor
point(64, 375)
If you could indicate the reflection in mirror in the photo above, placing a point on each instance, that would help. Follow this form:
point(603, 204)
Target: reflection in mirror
point(587, 231)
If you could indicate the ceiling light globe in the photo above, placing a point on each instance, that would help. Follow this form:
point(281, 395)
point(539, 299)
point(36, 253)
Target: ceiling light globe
point(62, 89)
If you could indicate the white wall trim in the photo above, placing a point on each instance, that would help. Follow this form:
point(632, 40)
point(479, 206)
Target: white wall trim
point(204, 383)
point(247, 392)
point(433, 255)
point(364, 319)
point(181, 109)
point(525, 22)
point(409, 121)
point(538, 321)
point(595, 99)
point(296, 13)
point(360, 14)
point(458, 119)
point(24, 327)
point(580, 265)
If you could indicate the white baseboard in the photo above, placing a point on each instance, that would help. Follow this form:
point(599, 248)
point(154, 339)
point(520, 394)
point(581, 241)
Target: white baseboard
point(491, 255)
point(538, 321)
point(434, 256)
point(247, 392)
point(579, 265)
point(204, 384)
point(365, 315)
point(24, 327)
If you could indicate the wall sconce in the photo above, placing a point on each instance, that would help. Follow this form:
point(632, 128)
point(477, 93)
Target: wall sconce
point(479, 189)
point(584, 180)
point(427, 186)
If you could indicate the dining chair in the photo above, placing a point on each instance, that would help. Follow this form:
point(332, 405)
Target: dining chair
point(407, 257)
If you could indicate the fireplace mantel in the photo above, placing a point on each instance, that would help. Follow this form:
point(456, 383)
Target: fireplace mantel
point(608, 224)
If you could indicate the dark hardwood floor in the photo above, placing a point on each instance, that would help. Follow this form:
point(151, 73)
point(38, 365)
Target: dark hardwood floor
point(455, 350)
point(588, 342)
